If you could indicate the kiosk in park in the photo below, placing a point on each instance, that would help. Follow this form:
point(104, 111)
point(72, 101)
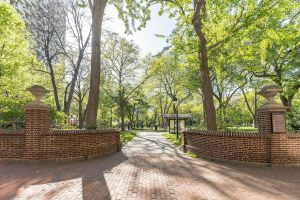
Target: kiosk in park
point(184, 122)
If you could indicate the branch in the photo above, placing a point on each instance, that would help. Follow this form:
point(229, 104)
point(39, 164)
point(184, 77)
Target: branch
point(231, 31)
point(39, 70)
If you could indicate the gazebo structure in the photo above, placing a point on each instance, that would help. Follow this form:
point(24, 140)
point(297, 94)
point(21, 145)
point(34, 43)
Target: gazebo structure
point(184, 122)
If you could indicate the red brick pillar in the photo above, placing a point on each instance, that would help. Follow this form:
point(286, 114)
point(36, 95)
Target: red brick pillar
point(271, 120)
point(37, 121)
point(271, 115)
point(264, 121)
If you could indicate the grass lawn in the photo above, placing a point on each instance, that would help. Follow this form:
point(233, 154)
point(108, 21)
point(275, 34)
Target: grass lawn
point(126, 136)
point(242, 129)
point(172, 138)
point(149, 130)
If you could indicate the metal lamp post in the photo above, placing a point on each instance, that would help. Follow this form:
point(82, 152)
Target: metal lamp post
point(175, 102)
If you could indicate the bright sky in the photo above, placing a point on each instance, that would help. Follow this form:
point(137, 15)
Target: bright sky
point(145, 39)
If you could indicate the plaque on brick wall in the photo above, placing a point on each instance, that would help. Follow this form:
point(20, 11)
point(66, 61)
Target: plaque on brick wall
point(278, 122)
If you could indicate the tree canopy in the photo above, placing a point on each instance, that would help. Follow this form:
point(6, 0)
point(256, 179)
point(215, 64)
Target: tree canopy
point(16, 62)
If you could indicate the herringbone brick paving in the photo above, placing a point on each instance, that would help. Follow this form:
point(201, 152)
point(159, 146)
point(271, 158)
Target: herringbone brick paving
point(149, 167)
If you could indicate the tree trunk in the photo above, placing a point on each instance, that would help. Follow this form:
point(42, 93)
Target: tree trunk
point(111, 118)
point(122, 113)
point(203, 107)
point(80, 114)
point(13, 126)
point(137, 119)
point(67, 103)
point(93, 100)
point(161, 111)
point(174, 108)
point(287, 102)
point(210, 111)
point(207, 90)
point(253, 112)
point(53, 82)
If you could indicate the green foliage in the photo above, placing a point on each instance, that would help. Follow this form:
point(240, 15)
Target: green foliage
point(12, 109)
point(91, 126)
point(16, 63)
point(191, 154)
point(172, 138)
point(126, 136)
point(14, 44)
point(242, 129)
point(293, 117)
point(58, 118)
point(121, 66)
point(244, 39)
point(250, 44)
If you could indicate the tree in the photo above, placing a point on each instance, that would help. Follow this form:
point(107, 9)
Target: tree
point(169, 79)
point(74, 51)
point(81, 91)
point(14, 47)
point(97, 7)
point(49, 34)
point(16, 59)
point(121, 66)
point(129, 11)
point(276, 38)
point(215, 23)
point(67, 19)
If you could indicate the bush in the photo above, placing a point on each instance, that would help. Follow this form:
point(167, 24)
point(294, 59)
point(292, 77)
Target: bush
point(59, 120)
point(293, 120)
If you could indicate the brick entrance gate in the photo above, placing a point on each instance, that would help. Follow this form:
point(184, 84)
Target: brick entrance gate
point(39, 142)
point(271, 145)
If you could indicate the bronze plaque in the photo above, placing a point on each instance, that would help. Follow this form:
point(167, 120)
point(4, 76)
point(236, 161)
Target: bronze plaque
point(278, 122)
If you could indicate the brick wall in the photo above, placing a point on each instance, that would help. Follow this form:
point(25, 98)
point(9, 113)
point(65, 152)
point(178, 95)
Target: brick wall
point(250, 147)
point(78, 144)
point(285, 148)
point(12, 144)
point(60, 144)
point(273, 149)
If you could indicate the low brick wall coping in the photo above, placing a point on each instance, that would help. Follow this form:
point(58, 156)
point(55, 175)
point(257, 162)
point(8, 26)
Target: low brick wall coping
point(293, 135)
point(11, 133)
point(231, 134)
point(86, 131)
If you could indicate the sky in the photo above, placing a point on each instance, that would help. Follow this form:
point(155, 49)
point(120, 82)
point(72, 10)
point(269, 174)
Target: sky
point(145, 39)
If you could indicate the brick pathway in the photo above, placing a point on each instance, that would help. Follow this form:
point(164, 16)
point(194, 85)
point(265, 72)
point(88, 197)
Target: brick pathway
point(148, 168)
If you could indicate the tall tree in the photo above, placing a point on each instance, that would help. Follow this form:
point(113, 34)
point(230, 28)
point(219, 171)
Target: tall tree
point(97, 7)
point(16, 60)
point(215, 23)
point(277, 39)
point(168, 76)
point(48, 36)
point(121, 65)
point(128, 11)
point(75, 50)
point(67, 19)
point(81, 90)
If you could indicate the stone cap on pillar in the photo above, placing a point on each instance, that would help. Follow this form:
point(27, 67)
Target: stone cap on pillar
point(38, 92)
point(269, 92)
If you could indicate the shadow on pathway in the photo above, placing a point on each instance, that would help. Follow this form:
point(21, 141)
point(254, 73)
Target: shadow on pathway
point(149, 167)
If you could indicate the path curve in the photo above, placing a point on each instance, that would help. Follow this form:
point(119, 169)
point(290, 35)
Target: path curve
point(149, 167)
